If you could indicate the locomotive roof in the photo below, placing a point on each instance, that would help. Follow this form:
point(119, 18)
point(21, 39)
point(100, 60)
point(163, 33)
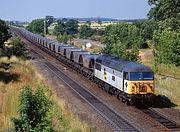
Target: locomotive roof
point(120, 64)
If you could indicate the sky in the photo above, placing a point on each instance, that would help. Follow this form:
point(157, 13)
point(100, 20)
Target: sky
point(27, 10)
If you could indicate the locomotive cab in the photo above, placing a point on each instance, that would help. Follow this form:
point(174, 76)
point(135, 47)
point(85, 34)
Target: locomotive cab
point(139, 82)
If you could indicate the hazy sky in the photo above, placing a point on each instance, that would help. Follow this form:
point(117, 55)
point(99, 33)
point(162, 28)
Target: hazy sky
point(28, 10)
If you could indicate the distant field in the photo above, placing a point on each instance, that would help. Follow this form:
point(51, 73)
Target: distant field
point(99, 26)
point(93, 25)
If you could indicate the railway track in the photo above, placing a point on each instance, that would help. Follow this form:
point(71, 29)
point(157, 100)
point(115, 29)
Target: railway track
point(171, 125)
point(113, 118)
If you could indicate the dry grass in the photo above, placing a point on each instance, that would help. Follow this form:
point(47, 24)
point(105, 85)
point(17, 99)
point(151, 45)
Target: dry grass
point(170, 88)
point(65, 120)
point(11, 81)
point(23, 73)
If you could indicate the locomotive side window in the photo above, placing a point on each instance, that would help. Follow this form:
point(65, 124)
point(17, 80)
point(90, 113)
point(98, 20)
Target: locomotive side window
point(98, 66)
point(113, 78)
point(126, 76)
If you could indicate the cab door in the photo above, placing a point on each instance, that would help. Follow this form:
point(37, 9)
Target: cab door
point(125, 81)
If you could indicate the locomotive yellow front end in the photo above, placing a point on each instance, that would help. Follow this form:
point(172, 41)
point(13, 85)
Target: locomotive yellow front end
point(140, 85)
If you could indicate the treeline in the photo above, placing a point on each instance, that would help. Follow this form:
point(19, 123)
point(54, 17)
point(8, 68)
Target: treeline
point(14, 47)
point(160, 32)
point(64, 29)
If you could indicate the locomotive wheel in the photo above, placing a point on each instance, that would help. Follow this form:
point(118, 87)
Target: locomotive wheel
point(123, 100)
point(127, 102)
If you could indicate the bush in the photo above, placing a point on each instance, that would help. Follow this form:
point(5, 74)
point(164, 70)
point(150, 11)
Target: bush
point(34, 111)
point(167, 47)
point(17, 47)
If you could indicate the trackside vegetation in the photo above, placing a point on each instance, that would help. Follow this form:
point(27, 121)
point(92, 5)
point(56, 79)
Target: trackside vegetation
point(22, 88)
point(34, 111)
point(26, 102)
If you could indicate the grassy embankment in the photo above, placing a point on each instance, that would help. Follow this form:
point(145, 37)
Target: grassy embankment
point(23, 73)
point(164, 85)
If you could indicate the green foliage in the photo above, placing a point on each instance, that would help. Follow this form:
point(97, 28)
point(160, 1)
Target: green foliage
point(85, 31)
point(70, 27)
point(17, 47)
point(172, 24)
point(167, 47)
point(122, 40)
point(4, 33)
point(147, 28)
point(63, 38)
point(36, 26)
point(60, 28)
point(119, 50)
point(34, 109)
point(88, 23)
point(164, 9)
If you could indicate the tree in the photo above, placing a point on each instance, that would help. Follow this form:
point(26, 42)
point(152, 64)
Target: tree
point(164, 9)
point(122, 40)
point(120, 50)
point(63, 38)
point(167, 47)
point(36, 26)
point(85, 31)
point(34, 109)
point(4, 33)
point(60, 28)
point(147, 28)
point(70, 27)
point(88, 23)
point(172, 24)
point(17, 47)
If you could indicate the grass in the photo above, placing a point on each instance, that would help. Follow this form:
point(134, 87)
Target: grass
point(170, 88)
point(26, 74)
point(9, 89)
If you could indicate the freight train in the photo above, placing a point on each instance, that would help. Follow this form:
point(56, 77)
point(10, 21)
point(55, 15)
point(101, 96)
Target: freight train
point(130, 81)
